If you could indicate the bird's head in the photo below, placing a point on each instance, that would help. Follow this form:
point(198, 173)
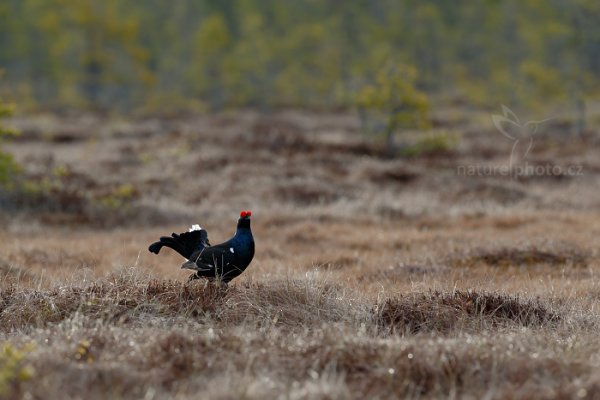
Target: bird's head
point(244, 221)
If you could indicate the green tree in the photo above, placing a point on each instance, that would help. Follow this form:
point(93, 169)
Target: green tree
point(212, 42)
point(102, 50)
point(394, 94)
point(8, 167)
point(248, 71)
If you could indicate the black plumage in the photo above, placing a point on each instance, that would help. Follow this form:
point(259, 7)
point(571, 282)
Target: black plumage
point(185, 243)
point(221, 262)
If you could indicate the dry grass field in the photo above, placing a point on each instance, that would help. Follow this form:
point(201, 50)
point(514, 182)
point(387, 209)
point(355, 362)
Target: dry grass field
point(374, 277)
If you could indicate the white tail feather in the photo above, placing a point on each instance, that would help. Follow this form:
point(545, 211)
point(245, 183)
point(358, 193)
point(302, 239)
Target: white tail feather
point(195, 227)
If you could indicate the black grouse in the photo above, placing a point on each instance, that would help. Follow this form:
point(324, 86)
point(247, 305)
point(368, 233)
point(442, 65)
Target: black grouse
point(222, 262)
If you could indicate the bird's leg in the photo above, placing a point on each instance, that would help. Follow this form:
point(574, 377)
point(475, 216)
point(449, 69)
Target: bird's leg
point(218, 282)
point(193, 276)
point(207, 281)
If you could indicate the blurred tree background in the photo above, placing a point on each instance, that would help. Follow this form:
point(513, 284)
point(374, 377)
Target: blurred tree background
point(173, 56)
point(8, 167)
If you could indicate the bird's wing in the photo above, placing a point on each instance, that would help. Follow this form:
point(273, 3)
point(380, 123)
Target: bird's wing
point(215, 254)
point(186, 243)
point(208, 259)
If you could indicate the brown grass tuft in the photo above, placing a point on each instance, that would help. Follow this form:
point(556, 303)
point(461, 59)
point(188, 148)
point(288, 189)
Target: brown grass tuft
point(506, 257)
point(108, 300)
point(442, 312)
point(119, 299)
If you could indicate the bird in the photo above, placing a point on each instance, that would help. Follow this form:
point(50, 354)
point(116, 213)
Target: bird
point(222, 262)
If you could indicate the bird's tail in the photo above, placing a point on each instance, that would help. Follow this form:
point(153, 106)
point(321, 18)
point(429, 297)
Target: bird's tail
point(185, 244)
point(173, 242)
